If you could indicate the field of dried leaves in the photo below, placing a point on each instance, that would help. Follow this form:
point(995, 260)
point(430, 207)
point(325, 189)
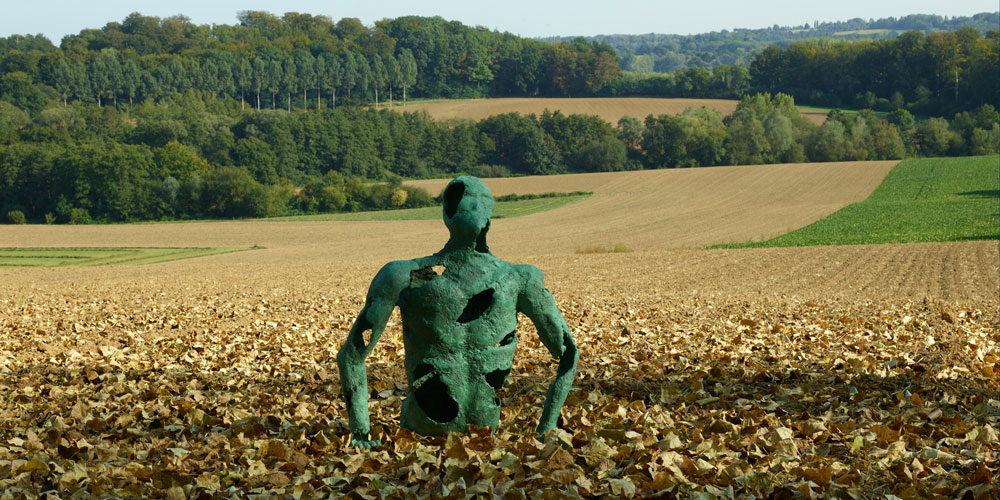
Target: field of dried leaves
point(840, 371)
point(611, 109)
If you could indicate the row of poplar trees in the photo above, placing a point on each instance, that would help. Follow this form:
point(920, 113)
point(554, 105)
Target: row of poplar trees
point(111, 75)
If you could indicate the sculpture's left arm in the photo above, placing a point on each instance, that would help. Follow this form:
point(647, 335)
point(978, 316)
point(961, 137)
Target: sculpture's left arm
point(537, 303)
point(381, 300)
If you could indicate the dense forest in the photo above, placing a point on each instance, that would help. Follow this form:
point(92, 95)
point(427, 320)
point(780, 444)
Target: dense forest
point(938, 74)
point(190, 156)
point(663, 53)
point(163, 119)
point(305, 61)
point(266, 61)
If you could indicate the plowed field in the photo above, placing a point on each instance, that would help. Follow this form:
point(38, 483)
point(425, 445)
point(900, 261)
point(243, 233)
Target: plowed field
point(811, 371)
point(645, 210)
point(610, 109)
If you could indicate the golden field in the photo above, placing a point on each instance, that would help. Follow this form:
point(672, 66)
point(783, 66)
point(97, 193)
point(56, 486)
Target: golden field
point(611, 109)
point(800, 372)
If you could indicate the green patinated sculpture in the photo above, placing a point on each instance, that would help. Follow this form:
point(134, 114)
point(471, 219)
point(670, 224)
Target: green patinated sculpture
point(459, 328)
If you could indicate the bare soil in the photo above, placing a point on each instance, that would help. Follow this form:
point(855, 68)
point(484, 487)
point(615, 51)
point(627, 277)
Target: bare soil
point(611, 109)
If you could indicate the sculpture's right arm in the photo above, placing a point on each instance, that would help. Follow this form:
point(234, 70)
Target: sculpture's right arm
point(382, 295)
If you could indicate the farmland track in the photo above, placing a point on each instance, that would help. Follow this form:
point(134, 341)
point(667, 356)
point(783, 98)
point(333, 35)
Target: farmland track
point(611, 109)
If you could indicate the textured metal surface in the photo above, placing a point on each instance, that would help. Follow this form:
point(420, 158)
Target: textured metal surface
point(459, 312)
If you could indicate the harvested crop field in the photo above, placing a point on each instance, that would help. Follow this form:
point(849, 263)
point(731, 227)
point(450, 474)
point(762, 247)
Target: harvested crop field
point(812, 371)
point(656, 209)
point(610, 109)
point(644, 210)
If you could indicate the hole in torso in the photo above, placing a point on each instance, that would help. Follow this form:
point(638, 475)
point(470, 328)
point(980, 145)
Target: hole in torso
point(420, 277)
point(432, 396)
point(496, 378)
point(507, 340)
point(477, 306)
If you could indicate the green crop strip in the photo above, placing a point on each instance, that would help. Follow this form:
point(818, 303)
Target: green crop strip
point(98, 256)
point(921, 200)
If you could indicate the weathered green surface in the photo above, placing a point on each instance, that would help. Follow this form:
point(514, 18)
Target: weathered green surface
point(459, 313)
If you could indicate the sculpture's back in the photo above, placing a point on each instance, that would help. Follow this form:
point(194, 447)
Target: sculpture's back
point(458, 327)
point(460, 339)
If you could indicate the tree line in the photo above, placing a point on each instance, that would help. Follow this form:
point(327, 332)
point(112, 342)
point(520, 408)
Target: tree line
point(302, 79)
point(163, 119)
point(193, 155)
point(936, 74)
point(665, 53)
point(304, 61)
point(932, 75)
point(268, 60)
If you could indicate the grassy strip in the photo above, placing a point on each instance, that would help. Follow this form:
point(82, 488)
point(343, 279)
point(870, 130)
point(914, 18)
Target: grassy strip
point(617, 248)
point(927, 199)
point(102, 256)
point(849, 112)
point(535, 196)
point(503, 209)
point(863, 32)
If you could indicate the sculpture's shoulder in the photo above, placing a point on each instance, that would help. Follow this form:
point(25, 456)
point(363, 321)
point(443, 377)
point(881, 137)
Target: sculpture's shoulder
point(530, 276)
point(393, 277)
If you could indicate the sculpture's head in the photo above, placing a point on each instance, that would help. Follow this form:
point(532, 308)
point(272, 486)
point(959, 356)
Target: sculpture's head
point(468, 206)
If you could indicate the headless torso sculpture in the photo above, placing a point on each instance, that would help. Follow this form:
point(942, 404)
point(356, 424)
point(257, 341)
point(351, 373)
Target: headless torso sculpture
point(459, 328)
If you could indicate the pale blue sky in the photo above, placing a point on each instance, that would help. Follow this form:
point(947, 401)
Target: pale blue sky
point(56, 18)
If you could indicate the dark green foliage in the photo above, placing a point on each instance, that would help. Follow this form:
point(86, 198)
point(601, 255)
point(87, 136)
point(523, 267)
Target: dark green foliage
point(519, 143)
point(934, 138)
point(79, 216)
point(16, 217)
point(666, 53)
point(930, 74)
point(488, 171)
point(179, 158)
point(152, 58)
point(12, 120)
point(605, 154)
point(18, 89)
point(232, 192)
point(721, 82)
point(938, 73)
point(587, 143)
point(693, 138)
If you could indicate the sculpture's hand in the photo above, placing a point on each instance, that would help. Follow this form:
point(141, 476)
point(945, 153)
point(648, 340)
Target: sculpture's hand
point(362, 441)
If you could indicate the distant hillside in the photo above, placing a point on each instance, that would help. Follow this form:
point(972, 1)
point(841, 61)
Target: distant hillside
point(655, 52)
